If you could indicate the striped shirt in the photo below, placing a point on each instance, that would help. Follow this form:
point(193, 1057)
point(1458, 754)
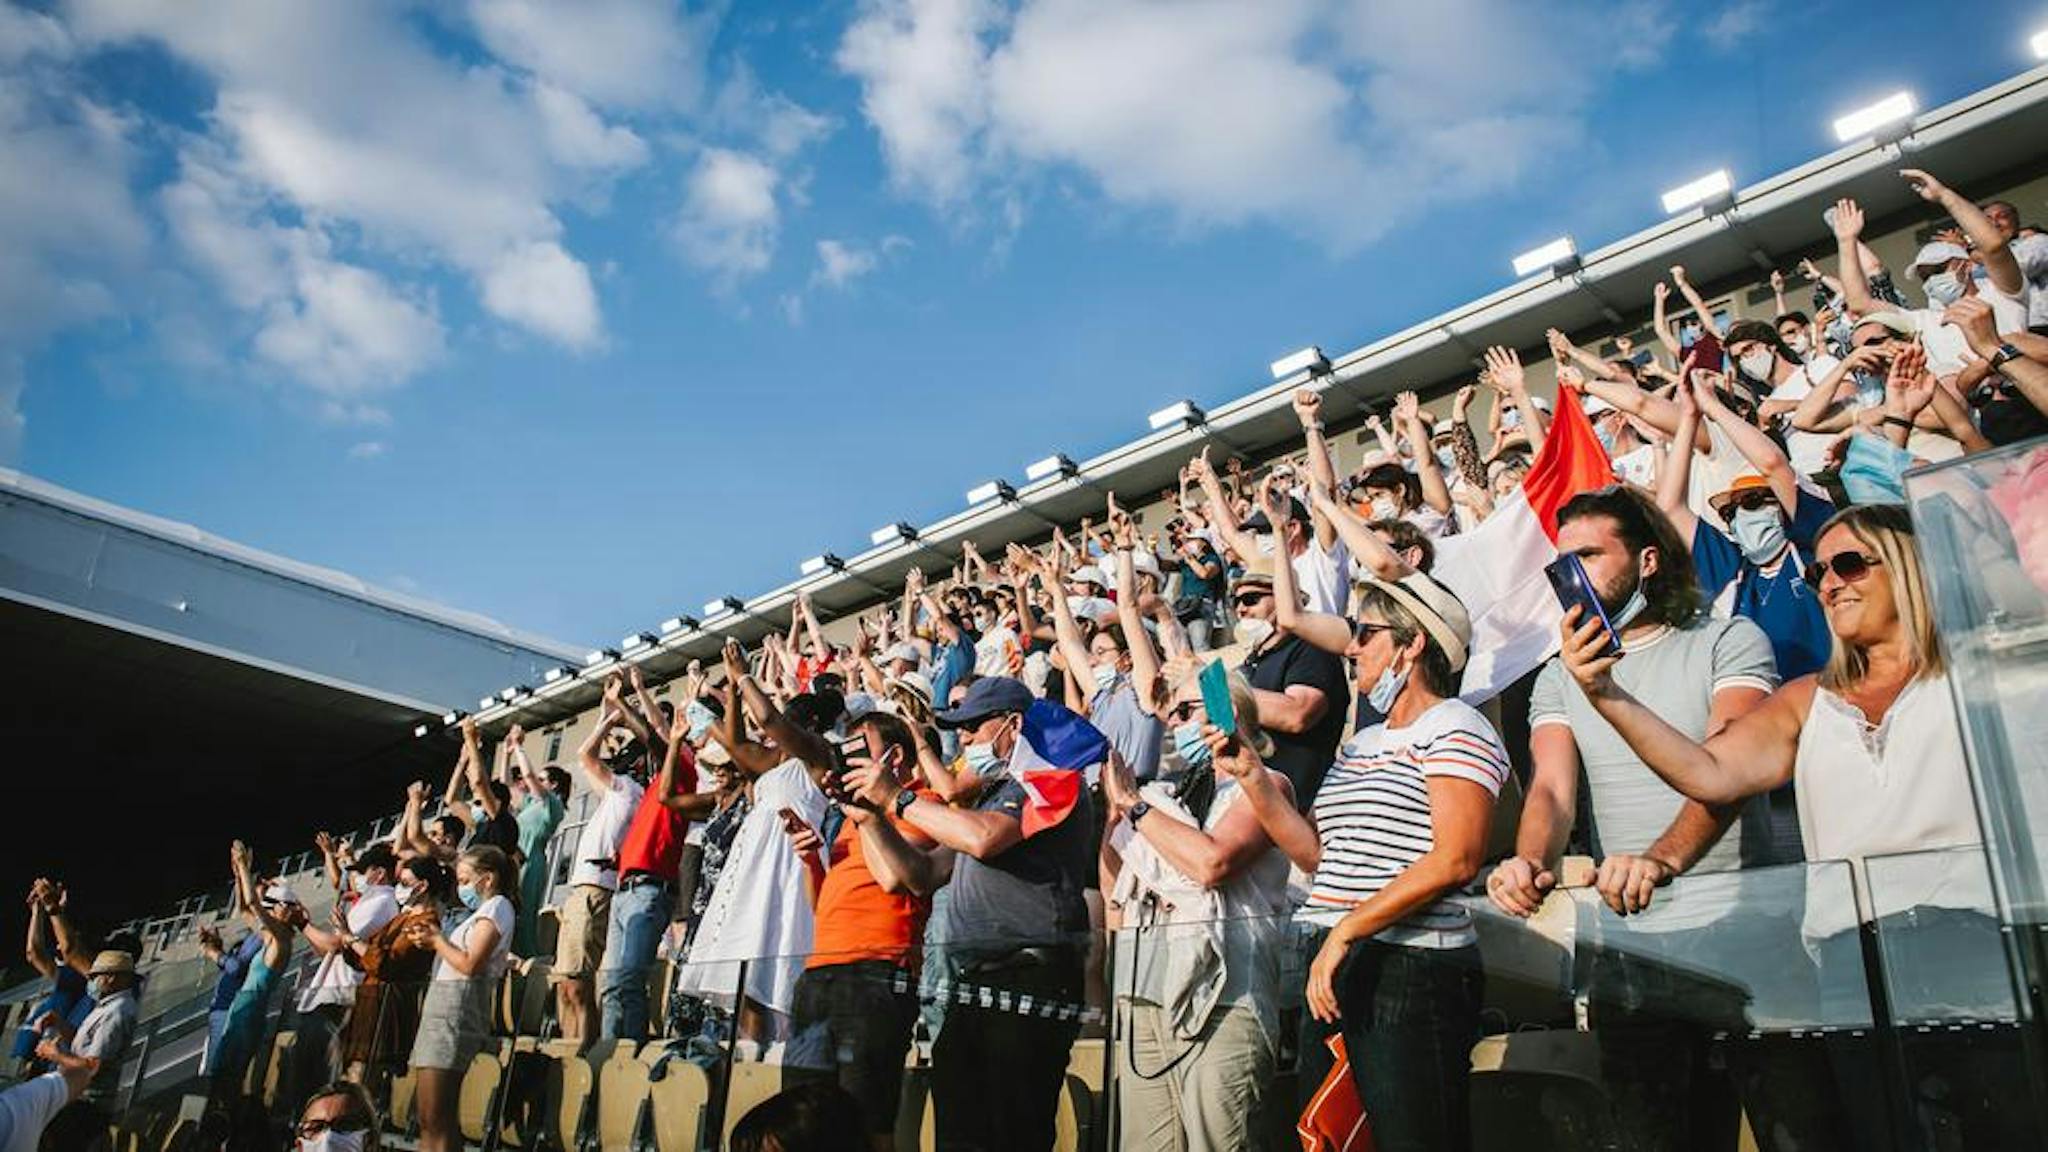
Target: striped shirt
point(1372, 814)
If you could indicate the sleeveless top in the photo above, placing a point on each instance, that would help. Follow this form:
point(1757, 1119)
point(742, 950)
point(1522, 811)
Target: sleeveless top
point(1898, 786)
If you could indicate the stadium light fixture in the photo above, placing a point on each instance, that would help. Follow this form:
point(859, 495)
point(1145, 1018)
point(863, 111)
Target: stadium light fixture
point(811, 567)
point(1310, 360)
point(713, 609)
point(419, 730)
point(452, 718)
point(637, 641)
point(681, 622)
point(1887, 121)
point(892, 533)
point(1056, 464)
point(1713, 191)
point(514, 692)
point(984, 493)
point(600, 656)
point(1560, 254)
point(557, 674)
point(487, 703)
point(1183, 413)
point(2040, 44)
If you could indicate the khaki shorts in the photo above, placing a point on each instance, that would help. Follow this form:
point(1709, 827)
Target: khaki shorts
point(586, 916)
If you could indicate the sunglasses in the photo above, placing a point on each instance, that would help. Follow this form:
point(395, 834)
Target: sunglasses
point(1748, 501)
point(1247, 599)
point(1363, 630)
point(1847, 566)
point(1182, 712)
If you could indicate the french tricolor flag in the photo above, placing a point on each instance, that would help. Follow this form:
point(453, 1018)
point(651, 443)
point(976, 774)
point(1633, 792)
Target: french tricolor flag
point(1048, 763)
point(1497, 568)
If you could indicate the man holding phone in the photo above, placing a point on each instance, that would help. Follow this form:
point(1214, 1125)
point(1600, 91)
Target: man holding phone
point(1698, 672)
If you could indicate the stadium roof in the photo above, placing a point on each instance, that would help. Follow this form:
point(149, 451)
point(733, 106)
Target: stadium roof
point(1727, 241)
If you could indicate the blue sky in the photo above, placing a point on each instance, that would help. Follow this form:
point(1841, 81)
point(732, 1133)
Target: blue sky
point(583, 314)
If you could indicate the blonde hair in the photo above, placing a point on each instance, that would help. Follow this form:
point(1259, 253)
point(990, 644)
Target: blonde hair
point(1244, 703)
point(1886, 530)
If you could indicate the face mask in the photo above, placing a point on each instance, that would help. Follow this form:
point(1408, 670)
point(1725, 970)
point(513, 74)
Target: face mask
point(1871, 469)
point(1687, 337)
point(981, 758)
point(1105, 675)
point(1605, 435)
point(410, 896)
point(1758, 364)
point(1798, 343)
point(1943, 289)
point(102, 988)
point(1634, 608)
point(333, 1141)
point(1512, 418)
point(1385, 689)
point(1254, 632)
point(1194, 752)
point(701, 719)
point(983, 621)
point(467, 894)
point(1384, 508)
point(477, 815)
point(1759, 532)
point(1447, 459)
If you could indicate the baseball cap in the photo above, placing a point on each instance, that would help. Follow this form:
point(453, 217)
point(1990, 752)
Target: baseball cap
point(1087, 574)
point(1595, 406)
point(1937, 252)
point(986, 697)
point(904, 651)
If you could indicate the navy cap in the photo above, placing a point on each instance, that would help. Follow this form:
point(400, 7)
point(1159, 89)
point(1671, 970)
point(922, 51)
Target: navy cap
point(986, 697)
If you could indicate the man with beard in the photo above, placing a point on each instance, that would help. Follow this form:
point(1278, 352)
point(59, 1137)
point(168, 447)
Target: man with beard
point(1652, 1024)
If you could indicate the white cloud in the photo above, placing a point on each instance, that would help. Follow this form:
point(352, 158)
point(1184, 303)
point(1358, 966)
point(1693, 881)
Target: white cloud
point(1734, 24)
point(839, 263)
point(346, 330)
point(1337, 119)
point(24, 34)
point(342, 116)
point(367, 449)
point(630, 53)
point(729, 216)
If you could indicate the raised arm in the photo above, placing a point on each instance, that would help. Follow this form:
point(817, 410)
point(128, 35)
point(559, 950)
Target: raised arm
point(1408, 413)
point(35, 945)
point(790, 739)
point(1144, 659)
point(1674, 479)
point(1986, 241)
point(594, 768)
point(1562, 350)
point(411, 837)
point(1693, 297)
point(478, 786)
point(1066, 631)
point(1758, 449)
point(1464, 445)
point(1660, 323)
point(1308, 408)
point(615, 699)
point(1504, 370)
point(1849, 260)
point(2027, 371)
point(451, 796)
point(1330, 633)
point(1220, 515)
point(329, 861)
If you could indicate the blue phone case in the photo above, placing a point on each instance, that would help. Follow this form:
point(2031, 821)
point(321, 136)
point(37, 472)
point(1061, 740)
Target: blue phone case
point(1216, 697)
point(1573, 587)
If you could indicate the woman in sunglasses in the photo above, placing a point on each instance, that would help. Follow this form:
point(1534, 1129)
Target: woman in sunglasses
point(1873, 744)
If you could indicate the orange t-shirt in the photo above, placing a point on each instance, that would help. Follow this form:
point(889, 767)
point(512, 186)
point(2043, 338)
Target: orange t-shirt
point(856, 918)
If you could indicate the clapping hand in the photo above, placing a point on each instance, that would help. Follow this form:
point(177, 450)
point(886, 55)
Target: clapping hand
point(1505, 369)
point(1848, 219)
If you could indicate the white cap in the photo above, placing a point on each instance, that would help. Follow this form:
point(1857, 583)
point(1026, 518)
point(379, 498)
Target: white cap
point(1937, 252)
point(1595, 406)
point(905, 652)
point(1142, 560)
point(1087, 574)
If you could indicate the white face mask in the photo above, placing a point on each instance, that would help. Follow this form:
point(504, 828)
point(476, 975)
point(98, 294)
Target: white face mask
point(1254, 631)
point(1759, 533)
point(1759, 363)
point(1384, 508)
point(333, 1141)
point(1105, 675)
point(1943, 289)
point(1797, 342)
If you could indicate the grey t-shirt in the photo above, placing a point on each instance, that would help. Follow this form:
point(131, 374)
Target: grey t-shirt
point(1675, 673)
point(1027, 896)
point(1136, 736)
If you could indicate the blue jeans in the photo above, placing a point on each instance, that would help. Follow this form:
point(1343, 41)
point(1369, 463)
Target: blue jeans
point(639, 917)
point(1410, 1017)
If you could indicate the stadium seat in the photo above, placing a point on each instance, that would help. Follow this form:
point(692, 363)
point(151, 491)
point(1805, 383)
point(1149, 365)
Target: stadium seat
point(679, 1101)
point(751, 1083)
point(549, 928)
point(478, 1102)
point(571, 1084)
point(532, 1000)
point(622, 1084)
point(1538, 1089)
point(181, 1135)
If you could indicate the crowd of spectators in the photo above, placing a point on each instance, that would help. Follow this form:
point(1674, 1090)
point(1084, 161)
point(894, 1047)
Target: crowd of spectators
point(845, 849)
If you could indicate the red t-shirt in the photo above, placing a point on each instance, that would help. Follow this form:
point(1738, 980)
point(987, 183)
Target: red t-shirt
point(654, 839)
point(858, 919)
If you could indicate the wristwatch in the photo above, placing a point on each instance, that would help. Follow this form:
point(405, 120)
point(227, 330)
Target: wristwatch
point(903, 801)
point(1138, 812)
point(2006, 353)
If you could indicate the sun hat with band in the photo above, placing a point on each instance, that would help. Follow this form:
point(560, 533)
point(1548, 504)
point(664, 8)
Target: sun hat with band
point(1747, 482)
point(1435, 607)
point(111, 963)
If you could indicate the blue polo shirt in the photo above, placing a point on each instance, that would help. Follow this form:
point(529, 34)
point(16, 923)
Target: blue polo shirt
point(234, 968)
point(1781, 604)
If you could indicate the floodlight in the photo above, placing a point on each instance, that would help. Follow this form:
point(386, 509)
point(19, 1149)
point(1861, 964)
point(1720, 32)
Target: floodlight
point(984, 493)
point(719, 607)
point(891, 533)
point(600, 656)
point(1555, 254)
point(487, 703)
point(419, 730)
point(451, 719)
point(1183, 413)
point(1714, 186)
point(811, 567)
point(557, 674)
point(1056, 464)
point(1309, 359)
point(2040, 44)
point(1868, 120)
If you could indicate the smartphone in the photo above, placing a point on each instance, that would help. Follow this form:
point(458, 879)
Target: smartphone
point(791, 822)
point(1215, 681)
point(1574, 588)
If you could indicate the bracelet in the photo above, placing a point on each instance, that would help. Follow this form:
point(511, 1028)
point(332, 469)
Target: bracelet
point(1898, 422)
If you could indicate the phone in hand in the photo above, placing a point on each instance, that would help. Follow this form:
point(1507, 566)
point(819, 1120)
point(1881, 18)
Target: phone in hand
point(1215, 681)
point(791, 822)
point(1575, 589)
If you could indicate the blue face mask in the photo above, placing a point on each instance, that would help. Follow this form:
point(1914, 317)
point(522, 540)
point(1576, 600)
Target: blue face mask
point(981, 758)
point(701, 719)
point(1386, 689)
point(1193, 750)
point(1637, 602)
point(467, 894)
point(1871, 470)
point(1759, 533)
